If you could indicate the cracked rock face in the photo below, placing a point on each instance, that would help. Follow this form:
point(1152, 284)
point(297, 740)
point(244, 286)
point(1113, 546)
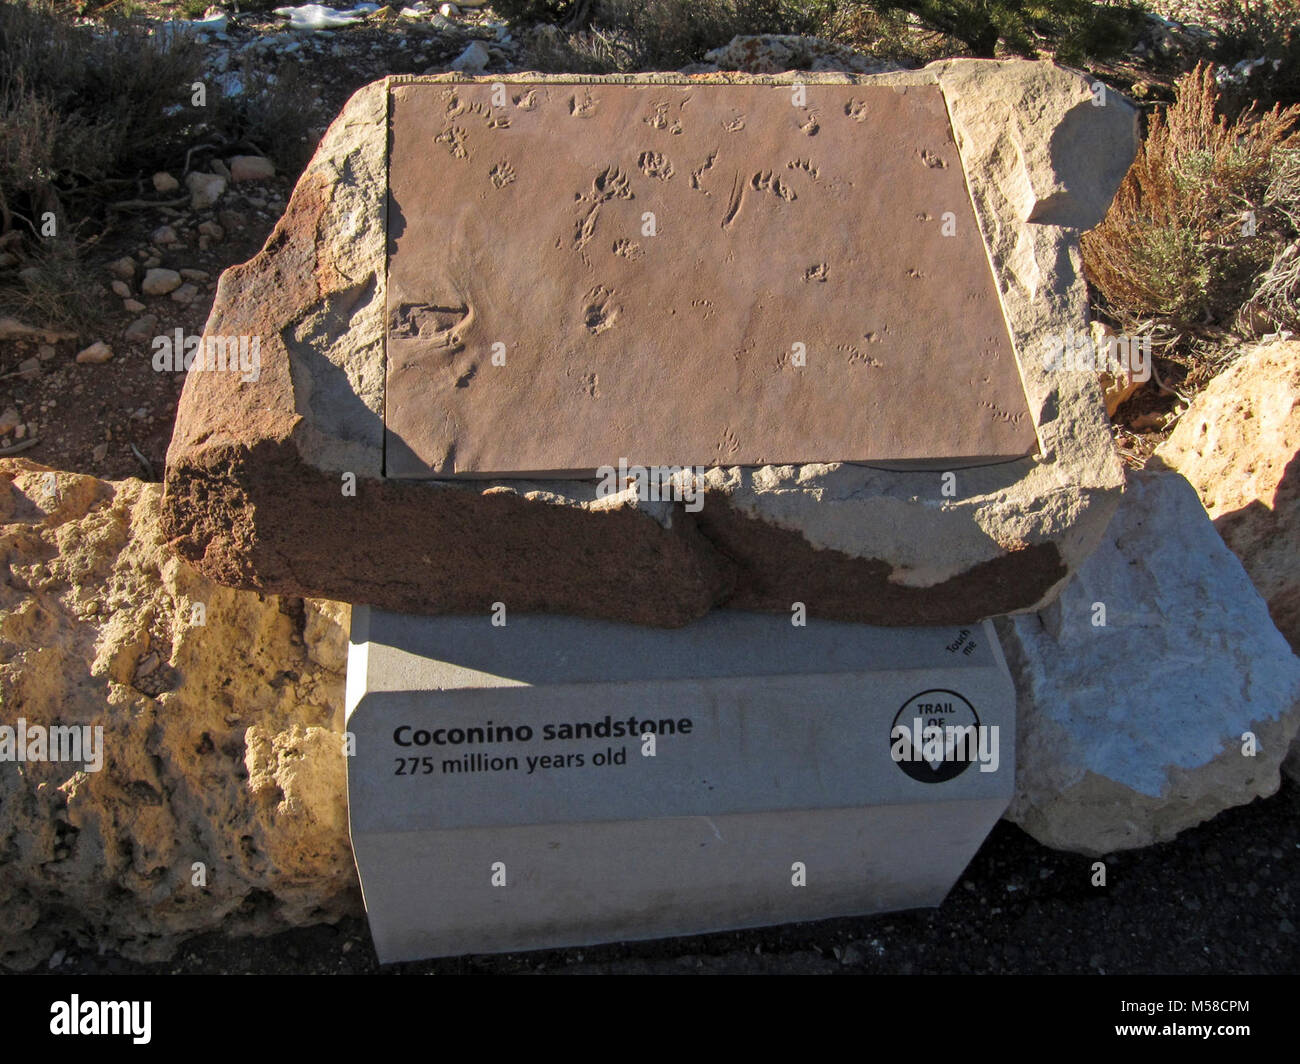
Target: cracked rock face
point(279, 483)
point(1137, 687)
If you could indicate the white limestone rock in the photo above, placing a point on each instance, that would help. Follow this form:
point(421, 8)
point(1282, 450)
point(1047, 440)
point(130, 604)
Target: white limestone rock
point(1133, 731)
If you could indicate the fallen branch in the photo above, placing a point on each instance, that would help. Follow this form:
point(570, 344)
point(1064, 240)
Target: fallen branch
point(139, 205)
point(18, 448)
point(148, 466)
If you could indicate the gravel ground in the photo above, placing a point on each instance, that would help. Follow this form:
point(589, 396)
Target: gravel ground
point(1217, 900)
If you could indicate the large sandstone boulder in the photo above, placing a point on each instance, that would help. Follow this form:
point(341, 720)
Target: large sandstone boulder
point(221, 713)
point(1239, 447)
point(1131, 730)
point(256, 468)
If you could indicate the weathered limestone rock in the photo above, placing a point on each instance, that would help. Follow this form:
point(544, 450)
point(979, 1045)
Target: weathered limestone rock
point(221, 740)
point(257, 471)
point(1239, 446)
point(1132, 731)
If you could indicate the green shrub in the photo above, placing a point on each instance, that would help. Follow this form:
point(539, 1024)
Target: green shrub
point(77, 108)
point(1275, 301)
point(1201, 214)
point(1075, 28)
point(650, 34)
point(1260, 29)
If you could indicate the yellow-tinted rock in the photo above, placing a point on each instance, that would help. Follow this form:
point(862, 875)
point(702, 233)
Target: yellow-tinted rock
point(220, 800)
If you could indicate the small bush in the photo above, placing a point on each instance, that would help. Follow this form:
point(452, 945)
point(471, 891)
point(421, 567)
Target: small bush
point(79, 108)
point(1276, 298)
point(520, 11)
point(585, 52)
point(628, 35)
point(273, 116)
point(60, 288)
point(1075, 29)
point(892, 34)
point(1260, 29)
point(1197, 219)
point(1253, 28)
point(87, 113)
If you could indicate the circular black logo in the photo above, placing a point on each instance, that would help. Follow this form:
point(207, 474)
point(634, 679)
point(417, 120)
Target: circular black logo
point(934, 736)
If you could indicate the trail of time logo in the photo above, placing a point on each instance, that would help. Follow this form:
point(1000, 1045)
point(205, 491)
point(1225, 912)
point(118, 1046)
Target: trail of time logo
point(935, 736)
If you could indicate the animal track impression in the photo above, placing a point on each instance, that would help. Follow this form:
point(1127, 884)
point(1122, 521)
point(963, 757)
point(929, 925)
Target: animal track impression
point(700, 171)
point(660, 120)
point(502, 174)
point(733, 205)
point(584, 108)
point(610, 183)
point(454, 138)
point(441, 326)
point(766, 181)
point(655, 164)
point(856, 357)
point(600, 312)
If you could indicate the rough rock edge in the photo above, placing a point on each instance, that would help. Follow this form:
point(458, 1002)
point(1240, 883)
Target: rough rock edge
point(882, 531)
point(222, 741)
point(1161, 789)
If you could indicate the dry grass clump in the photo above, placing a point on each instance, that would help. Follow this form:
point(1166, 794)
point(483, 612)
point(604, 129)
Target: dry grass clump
point(87, 113)
point(82, 114)
point(1276, 298)
point(1199, 218)
point(886, 34)
point(606, 36)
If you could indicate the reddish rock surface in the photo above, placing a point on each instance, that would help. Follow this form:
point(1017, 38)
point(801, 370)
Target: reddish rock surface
point(687, 275)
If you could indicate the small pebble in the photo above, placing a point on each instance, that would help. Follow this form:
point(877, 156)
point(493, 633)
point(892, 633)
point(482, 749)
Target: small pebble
point(97, 353)
point(159, 282)
point(123, 269)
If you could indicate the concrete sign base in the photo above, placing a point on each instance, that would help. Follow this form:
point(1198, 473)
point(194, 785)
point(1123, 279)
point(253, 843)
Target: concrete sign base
point(556, 781)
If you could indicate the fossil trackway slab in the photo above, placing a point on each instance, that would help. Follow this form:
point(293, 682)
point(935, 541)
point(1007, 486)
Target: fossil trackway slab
point(686, 275)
